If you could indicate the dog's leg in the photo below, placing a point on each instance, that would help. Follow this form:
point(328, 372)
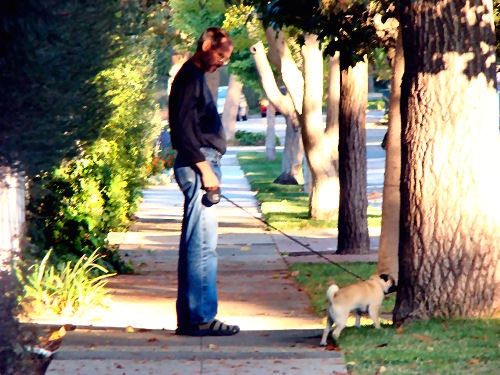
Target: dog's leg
point(326, 331)
point(340, 322)
point(338, 330)
point(373, 312)
point(358, 318)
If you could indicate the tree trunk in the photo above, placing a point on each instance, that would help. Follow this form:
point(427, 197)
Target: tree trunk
point(389, 236)
point(231, 105)
point(318, 145)
point(281, 57)
point(271, 132)
point(292, 172)
point(292, 155)
point(353, 227)
point(450, 205)
point(332, 123)
point(12, 216)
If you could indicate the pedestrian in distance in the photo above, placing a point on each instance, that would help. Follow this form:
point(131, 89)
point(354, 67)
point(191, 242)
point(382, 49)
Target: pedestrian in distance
point(198, 137)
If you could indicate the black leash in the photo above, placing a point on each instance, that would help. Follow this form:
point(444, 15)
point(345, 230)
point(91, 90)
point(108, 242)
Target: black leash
point(306, 246)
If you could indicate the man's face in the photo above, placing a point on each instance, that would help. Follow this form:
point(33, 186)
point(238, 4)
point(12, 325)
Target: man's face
point(214, 58)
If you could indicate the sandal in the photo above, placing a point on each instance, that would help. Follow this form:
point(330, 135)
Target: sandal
point(212, 328)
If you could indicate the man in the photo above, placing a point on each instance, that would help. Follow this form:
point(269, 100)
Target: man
point(198, 136)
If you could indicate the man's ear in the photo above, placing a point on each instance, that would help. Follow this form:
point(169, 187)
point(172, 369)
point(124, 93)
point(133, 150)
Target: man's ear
point(207, 44)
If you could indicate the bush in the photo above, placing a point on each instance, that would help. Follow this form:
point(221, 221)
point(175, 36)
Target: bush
point(65, 288)
point(246, 138)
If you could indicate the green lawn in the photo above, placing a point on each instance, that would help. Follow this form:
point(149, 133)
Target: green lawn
point(285, 207)
point(425, 347)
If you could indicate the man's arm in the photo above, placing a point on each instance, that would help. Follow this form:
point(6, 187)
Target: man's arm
point(208, 177)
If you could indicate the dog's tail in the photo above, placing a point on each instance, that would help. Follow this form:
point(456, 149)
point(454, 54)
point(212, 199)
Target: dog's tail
point(332, 289)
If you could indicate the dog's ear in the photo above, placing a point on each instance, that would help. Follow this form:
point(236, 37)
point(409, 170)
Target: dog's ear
point(393, 288)
point(385, 276)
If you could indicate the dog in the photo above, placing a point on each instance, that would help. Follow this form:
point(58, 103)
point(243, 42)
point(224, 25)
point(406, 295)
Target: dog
point(364, 296)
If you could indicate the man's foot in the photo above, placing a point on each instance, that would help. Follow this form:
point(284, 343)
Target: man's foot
point(212, 328)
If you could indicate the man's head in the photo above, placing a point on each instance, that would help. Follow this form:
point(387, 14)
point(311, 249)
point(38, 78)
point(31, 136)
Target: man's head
point(213, 50)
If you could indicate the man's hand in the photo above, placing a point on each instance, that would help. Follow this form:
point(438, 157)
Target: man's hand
point(208, 178)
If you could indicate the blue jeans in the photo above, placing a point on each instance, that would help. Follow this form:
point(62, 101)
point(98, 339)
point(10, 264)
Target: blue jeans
point(197, 268)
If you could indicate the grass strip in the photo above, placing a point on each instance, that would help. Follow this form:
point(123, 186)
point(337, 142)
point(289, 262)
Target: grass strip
point(286, 207)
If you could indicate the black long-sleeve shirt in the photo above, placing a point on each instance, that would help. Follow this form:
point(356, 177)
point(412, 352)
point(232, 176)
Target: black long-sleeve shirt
point(193, 116)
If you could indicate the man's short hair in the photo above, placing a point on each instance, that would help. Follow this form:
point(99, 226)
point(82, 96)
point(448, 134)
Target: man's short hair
point(218, 37)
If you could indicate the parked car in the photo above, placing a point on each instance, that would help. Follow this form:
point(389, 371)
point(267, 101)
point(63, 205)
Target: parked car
point(242, 107)
point(221, 98)
point(264, 103)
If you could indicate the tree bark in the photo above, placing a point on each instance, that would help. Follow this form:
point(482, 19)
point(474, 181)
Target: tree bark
point(12, 216)
point(281, 57)
point(231, 105)
point(271, 133)
point(318, 144)
point(291, 167)
point(332, 123)
point(293, 155)
point(450, 206)
point(353, 227)
point(389, 236)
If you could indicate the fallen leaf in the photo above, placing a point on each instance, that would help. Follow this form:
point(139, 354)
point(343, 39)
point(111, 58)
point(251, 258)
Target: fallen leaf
point(276, 276)
point(245, 248)
point(474, 361)
point(152, 339)
point(332, 348)
point(129, 329)
point(295, 273)
point(422, 337)
point(213, 346)
point(399, 330)
point(62, 331)
point(54, 336)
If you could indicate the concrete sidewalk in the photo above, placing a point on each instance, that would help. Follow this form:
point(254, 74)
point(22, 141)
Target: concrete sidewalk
point(134, 334)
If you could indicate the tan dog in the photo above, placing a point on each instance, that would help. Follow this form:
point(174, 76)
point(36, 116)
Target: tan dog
point(365, 296)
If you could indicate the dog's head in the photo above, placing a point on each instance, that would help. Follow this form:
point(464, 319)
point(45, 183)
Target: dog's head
point(388, 283)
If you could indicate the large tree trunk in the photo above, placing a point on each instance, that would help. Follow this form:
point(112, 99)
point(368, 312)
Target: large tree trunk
point(389, 236)
point(271, 133)
point(12, 216)
point(292, 156)
point(332, 123)
point(450, 205)
point(353, 227)
point(231, 105)
point(318, 145)
point(292, 172)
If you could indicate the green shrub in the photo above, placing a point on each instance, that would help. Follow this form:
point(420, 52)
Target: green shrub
point(378, 104)
point(65, 288)
point(80, 202)
point(246, 138)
